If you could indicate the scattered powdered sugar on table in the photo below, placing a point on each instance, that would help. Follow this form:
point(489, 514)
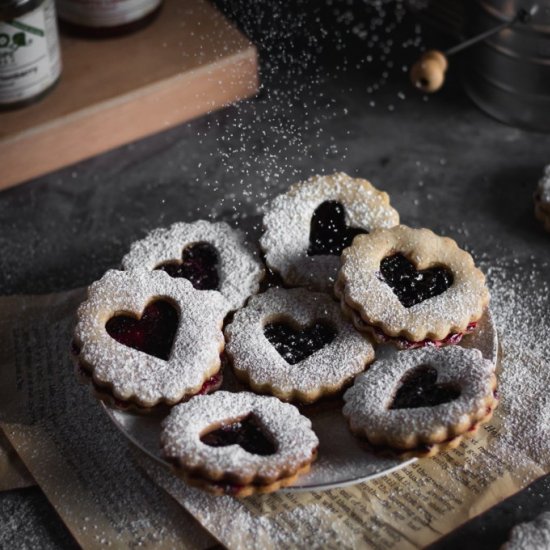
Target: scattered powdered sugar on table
point(520, 304)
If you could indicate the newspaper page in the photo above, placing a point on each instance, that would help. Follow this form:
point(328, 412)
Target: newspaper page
point(409, 508)
point(81, 462)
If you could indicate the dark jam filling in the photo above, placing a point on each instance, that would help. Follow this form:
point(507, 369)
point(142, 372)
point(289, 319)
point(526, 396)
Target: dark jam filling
point(296, 345)
point(450, 339)
point(247, 433)
point(419, 388)
point(411, 285)
point(329, 233)
point(153, 334)
point(199, 265)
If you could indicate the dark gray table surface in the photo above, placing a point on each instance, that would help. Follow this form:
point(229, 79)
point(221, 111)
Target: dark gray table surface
point(324, 107)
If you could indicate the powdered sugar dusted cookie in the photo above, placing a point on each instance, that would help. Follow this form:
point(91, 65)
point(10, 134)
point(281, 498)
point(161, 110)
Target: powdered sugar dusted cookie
point(238, 443)
point(149, 338)
point(296, 345)
point(532, 535)
point(307, 228)
point(420, 402)
point(411, 287)
point(542, 199)
point(213, 256)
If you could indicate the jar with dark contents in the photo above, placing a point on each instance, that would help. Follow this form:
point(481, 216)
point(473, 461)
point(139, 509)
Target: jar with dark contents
point(30, 59)
point(105, 18)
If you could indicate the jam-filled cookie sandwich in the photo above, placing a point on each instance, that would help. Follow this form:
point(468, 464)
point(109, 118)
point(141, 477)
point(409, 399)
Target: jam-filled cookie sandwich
point(212, 256)
point(238, 444)
point(411, 287)
point(307, 228)
point(421, 402)
point(146, 339)
point(295, 344)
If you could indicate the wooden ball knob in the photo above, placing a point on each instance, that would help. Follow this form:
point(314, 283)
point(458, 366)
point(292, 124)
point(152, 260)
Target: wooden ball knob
point(428, 73)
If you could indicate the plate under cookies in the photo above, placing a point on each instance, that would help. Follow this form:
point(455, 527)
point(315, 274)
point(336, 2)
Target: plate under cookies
point(341, 459)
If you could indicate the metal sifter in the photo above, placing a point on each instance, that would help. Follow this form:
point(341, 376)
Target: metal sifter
point(506, 70)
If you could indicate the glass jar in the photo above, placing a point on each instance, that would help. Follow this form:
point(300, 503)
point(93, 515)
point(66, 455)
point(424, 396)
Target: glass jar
point(104, 18)
point(30, 60)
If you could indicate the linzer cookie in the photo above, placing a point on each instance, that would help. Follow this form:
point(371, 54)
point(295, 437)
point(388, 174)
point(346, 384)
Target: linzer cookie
point(411, 287)
point(542, 199)
point(149, 339)
point(307, 228)
point(238, 443)
point(296, 345)
point(421, 402)
point(213, 256)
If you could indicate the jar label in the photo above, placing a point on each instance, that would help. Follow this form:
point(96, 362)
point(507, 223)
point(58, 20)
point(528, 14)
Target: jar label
point(105, 13)
point(30, 60)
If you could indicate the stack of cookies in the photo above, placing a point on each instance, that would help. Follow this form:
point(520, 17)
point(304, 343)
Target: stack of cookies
point(343, 277)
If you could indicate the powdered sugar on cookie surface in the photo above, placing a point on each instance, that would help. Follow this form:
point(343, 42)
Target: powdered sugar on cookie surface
point(368, 402)
point(287, 224)
point(240, 270)
point(138, 376)
point(291, 432)
point(255, 359)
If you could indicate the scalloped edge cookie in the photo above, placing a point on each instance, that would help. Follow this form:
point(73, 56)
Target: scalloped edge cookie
point(361, 287)
point(132, 375)
point(287, 225)
point(240, 270)
point(421, 431)
point(325, 372)
point(296, 443)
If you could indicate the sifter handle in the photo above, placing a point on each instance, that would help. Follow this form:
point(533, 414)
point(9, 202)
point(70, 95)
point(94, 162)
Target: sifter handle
point(428, 73)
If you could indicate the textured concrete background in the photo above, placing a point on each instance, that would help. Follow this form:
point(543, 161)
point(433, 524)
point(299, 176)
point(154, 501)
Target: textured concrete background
point(324, 107)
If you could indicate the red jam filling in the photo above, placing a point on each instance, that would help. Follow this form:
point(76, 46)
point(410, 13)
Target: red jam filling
point(419, 388)
point(329, 233)
point(296, 345)
point(412, 285)
point(153, 333)
point(199, 265)
point(247, 433)
point(453, 338)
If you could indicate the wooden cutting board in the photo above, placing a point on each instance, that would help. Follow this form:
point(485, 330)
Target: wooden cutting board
point(189, 61)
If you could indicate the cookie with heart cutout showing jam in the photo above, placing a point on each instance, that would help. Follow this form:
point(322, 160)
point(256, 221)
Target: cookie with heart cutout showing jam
point(421, 402)
point(213, 256)
point(296, 345)
point(307, 228)
point(411, 287)
point(148, 339)
point(542, 199)
point(238, 443)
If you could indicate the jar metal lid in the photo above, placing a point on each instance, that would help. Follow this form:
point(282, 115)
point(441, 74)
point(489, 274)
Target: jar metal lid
point(10, 9)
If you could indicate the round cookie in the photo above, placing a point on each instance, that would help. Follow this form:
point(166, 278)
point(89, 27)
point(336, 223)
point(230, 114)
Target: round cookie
point(238, 443)
point(147, 338)
point(296, 345)
point(213, 256)
point(307, 228)
point(420, 402)
point(411, 286)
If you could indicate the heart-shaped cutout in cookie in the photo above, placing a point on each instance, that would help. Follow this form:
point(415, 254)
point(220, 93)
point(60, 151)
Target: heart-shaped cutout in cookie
point(419, 388)
point(153, 333)
point(411, 285)
point(328, 232)
point(294, 344)
point(199, 265)
point(246, 432)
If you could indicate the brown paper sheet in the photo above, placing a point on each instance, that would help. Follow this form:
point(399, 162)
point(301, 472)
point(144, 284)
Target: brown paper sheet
point(81, 462)
point(13, 474)
point(409, 508)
